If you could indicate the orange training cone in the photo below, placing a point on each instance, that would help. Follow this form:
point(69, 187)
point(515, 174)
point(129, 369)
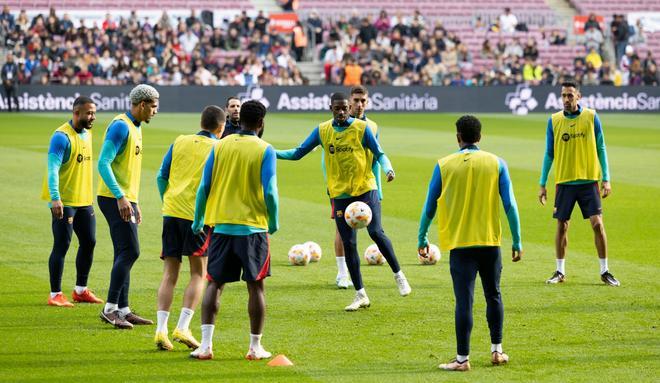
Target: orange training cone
point(280, 360)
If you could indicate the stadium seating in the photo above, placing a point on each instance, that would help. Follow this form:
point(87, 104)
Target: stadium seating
point(129, 4)
point(608, 7)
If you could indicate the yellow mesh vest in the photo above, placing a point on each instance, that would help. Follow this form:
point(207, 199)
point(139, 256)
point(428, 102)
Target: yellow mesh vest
point(576, 157)
point(236, 195)
point(374, 129)
point(189, 153)
point(127, 166)
point(468, 207)
point(346, 162)
point(76, 174)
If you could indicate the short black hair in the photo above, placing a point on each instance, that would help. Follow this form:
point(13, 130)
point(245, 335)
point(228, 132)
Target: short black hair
point(252, 111)
point(82, 100)
point(469, 127)
point(232, 98)
point(212, 115)
point(571, 84)
point(338, 96)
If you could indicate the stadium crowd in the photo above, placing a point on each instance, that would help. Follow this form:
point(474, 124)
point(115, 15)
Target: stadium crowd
point(385, 50)
point(48, 49)
point(411, 51)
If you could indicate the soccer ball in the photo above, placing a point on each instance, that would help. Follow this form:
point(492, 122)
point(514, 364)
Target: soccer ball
point(373, 256)
point(314, 251)
point(432, 257)
point(299, 255)
point(358, 215)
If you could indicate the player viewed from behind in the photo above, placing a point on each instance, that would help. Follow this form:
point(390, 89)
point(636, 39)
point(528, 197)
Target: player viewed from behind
point(238, 195)
point(346, 142)
point(358, 101)
point(178, 180)
point(575, 141)
point(233, 110)
point(68, 187)
point(464, 189)
point(120, 167)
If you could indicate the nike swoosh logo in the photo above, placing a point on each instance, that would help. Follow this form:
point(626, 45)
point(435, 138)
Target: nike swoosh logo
point(465, 159)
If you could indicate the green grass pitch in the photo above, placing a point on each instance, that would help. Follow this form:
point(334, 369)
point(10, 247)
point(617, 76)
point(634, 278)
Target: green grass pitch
point(576, 332)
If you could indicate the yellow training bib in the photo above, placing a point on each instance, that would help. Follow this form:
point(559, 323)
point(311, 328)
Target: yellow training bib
point(468, 207)
point(576, 157)
point(346, 160)
point(236, 195)
point(127, 166)
point(75, 175)
point(189, 154)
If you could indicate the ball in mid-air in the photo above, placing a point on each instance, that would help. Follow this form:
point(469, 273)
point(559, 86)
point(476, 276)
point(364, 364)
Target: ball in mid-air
point(358, 215)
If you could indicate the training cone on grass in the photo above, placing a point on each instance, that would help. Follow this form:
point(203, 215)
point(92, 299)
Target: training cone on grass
point(280, 360)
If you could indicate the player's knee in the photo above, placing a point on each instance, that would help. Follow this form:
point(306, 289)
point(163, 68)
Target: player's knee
point(597, 225)
point(376, 233)
point(88, 244)
point(562, 226)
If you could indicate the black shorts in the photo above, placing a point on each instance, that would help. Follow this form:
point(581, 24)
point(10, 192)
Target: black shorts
point(179, 239)
point(586, 195)
point(229, 254)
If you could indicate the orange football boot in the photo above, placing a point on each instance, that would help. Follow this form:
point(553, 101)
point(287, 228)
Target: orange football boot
point(87, 296)
point(59, 300)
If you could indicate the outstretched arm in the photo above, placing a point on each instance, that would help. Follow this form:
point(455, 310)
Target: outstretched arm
point(269, 185)
point(371, 142)
point(312, 141)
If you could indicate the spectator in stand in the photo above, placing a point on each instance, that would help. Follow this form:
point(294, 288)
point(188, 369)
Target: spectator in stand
point(592, 22)
point(514, 49)
point(299, 41)
point(487, 51)
point(594, 59)
point(557, 38)
point(593, 38)
point(531, 50)
point(382, 24)
point(532, 72)
point(367, 31)
point(649, 60)
point(651, 75)
point(352, 72)
point(315, 25)
point(508, 21)
point(620, 34)
point(636, 72)
point(639, 34)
